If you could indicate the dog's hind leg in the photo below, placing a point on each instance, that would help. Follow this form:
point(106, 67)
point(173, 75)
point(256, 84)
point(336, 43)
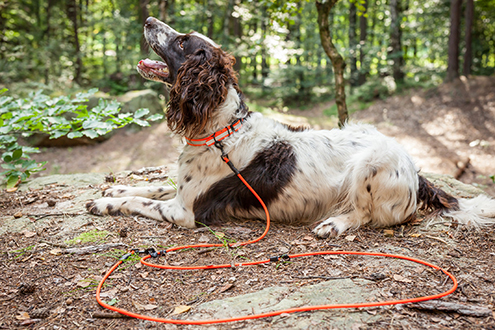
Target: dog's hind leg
point(381, 187)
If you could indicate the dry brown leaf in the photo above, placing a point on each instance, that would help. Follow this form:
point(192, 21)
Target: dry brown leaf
point(226, 287)
point(181, 309)
point(83, 284)
point(388, 232)
point(402, 279)
point(415, 235)
point(23, 316)
point(56, 252)
point(350, 238)
point(144, 307)
point(28, 233)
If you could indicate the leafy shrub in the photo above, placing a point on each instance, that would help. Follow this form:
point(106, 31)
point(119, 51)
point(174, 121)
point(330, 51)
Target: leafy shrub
point(57, 117)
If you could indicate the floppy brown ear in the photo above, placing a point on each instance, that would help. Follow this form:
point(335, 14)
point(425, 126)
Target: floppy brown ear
point(201, 86)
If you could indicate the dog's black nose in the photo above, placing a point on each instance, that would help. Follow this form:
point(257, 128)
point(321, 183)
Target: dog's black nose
point(149, 21)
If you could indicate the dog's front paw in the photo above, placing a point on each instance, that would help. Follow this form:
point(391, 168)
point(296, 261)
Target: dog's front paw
point(332, 227)
point(326, 229)
point(103, 206)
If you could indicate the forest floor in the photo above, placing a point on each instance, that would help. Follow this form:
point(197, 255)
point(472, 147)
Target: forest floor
point(45, 288)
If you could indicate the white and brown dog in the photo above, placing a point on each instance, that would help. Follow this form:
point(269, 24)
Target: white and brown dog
point(334, 179)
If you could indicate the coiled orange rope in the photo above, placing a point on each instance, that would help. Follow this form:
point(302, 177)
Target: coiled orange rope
point(274, 313)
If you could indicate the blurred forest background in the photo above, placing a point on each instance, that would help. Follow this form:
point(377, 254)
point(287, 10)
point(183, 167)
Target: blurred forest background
point(387, 44)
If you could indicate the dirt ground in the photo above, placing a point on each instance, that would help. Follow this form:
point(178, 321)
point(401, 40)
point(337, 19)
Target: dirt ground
point(44, 288)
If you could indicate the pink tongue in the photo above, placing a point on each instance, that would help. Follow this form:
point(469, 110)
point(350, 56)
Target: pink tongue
point(152, 64)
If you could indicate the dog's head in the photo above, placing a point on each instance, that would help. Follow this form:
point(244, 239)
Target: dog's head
point(198, 71)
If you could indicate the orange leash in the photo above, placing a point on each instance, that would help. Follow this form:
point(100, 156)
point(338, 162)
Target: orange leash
point(273, 259)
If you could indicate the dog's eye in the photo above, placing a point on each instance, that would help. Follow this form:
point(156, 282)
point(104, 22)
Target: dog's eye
point(181, 44)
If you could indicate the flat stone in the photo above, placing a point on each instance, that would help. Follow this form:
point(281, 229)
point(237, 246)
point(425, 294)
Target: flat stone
point(344, 291)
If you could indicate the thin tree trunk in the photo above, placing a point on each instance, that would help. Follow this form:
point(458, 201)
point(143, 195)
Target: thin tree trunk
point(455, 29)
point(238, 36)
point(363, 34)
point(353, 43)
point(143, 14)
point(264, 54)
point(396, 53)
point(468, 57)
point(323, 7)
point(72, 15)
point(48, 38)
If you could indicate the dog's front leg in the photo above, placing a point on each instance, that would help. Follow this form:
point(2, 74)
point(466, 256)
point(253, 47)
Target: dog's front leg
point(172, 210)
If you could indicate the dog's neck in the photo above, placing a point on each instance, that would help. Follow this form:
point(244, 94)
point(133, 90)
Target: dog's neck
point(231, 109)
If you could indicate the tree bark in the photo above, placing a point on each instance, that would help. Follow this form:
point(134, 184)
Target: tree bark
point(353, 43)
point(73, 17)
point(396, 53)
point(363, 34)
point(323, 7)
point(468, 55)
point(143, 14)
point(453, 52)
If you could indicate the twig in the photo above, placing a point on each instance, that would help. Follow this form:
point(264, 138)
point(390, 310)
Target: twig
point(445, 306)
point(94, 248)
point(438, 239)
point(44, 215)
point(322, 277)
point(54, 244)
point(101, 315)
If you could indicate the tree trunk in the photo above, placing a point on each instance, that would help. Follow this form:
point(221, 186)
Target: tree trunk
point(143, 15)
point(468, 57)
point(353, 43)
point(323, 7)
point(73, 17)
point(264, 54)
point(48, 39)
point(238, 35)
point(455, 29)
point(396, 53)
point(363, 34)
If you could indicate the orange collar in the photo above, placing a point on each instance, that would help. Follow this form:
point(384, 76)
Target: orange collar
point(217, 136)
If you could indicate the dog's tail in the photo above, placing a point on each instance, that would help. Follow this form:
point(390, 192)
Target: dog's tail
point(474, 212)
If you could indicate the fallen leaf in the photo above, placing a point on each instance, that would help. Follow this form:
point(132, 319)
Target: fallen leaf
point(402, 279)
point(17, 215)
point(56, 252)
point(28, 233)
point(219, 234)
point(203, 238)
point(226, 287)
point(350, 238)
point(11, 190)
point(23, 316)
point(415, 235)
point(388, 232)
point(143, 307)
point(181, 309)
point(308, 238)
point(112, 302)
point(84, 283)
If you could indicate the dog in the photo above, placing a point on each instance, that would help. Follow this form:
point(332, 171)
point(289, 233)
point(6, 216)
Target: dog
point(332, 180)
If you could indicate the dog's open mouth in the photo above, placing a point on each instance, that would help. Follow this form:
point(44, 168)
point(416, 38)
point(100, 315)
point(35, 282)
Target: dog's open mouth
point(153, 70)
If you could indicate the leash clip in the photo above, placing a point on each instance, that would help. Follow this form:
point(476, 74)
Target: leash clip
point(283, 257)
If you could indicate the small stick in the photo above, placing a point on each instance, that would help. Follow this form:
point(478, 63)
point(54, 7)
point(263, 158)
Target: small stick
point(438, 239)
point(101, 315)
